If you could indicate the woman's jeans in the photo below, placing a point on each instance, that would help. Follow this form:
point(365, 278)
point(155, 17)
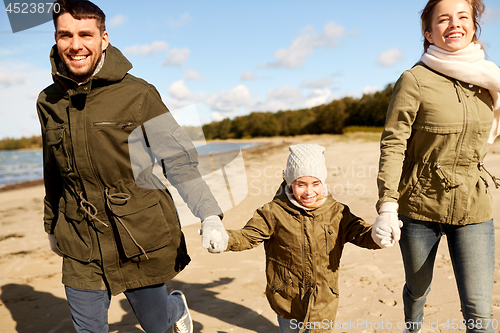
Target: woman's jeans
point(153, 307)
point(472, 252)
point(290, 325)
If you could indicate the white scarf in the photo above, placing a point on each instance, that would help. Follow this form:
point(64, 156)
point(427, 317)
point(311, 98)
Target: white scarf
point(468, 65)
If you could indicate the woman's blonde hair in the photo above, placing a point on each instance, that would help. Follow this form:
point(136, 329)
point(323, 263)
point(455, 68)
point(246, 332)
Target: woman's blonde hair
point(426, 18)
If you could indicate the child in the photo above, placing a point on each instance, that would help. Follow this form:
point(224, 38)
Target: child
point(304, 231)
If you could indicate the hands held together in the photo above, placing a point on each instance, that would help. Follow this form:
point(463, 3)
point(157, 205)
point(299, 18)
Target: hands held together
point(386, 229)
point(213, 234)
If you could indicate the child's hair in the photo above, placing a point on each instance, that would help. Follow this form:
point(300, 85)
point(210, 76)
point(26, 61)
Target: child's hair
point(305, 160)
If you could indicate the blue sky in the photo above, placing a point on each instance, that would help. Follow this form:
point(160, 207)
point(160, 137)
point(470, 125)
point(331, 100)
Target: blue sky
point(229, 58)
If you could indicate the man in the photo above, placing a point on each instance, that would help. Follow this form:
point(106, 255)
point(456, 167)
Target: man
point(107, 215)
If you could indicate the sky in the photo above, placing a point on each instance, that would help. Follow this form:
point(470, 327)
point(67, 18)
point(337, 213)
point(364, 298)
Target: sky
point(231, 58)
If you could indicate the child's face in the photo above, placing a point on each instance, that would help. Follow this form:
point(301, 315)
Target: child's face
point(307, 190)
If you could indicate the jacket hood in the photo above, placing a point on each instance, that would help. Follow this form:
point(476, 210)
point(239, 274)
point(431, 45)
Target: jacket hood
point(115, 66)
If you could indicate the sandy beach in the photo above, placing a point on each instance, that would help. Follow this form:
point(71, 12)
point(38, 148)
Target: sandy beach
point(225, 292)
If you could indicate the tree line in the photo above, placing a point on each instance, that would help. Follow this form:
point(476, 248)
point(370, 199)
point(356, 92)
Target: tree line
point(369, 110)
point(34, 142)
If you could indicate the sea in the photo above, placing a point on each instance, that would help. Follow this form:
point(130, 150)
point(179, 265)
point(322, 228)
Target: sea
point(18, 166)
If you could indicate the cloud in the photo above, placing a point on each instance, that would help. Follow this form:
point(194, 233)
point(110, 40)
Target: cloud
point(180, 96)
point(178, 90)
point(230, 100)
point(292, 98)
point(370, 89)
point(281, 98)
point(4, 52)
point(176, 57)
point(20, 84)
point(390, 57)
point(304, 45)
point(248, 76)
point(192, 75)
point(179, 22)
point(146, 49)
point(217, 116)
point(11, 79)
point(491, 15)
point(317, 83)
point(318, 97)
point(117, 20)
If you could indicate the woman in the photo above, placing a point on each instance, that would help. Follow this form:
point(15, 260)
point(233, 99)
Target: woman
point(434, 142)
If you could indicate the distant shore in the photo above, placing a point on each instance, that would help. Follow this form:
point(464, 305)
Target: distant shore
point(20, 185)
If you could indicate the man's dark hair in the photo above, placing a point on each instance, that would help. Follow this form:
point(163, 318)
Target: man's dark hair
point(80, 9)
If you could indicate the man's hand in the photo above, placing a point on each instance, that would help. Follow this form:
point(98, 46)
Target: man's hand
point(53, 245)
point(213, 235)
point(386, 229)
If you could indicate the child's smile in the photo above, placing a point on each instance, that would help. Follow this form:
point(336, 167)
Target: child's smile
point(307, 190)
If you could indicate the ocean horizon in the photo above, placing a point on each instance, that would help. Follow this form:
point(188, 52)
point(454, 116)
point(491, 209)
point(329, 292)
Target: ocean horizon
point(18, 166)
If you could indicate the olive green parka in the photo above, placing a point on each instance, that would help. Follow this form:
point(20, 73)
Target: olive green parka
point(303, 250)
point(433, 149)
point(114, 221)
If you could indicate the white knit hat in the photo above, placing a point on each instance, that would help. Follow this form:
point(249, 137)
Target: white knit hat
point(305, 160)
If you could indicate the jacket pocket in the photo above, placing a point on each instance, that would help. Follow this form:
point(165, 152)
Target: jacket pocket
point(122, 124)
point(280, 279)
point(432, 191)
point(141, 223)
point(73, 233)
point(56, 140)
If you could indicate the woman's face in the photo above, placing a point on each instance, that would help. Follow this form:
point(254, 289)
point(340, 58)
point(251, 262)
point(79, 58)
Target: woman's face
point(452, 27)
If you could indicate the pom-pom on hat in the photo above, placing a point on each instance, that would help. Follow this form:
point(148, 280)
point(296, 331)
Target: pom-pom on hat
point(305, 160)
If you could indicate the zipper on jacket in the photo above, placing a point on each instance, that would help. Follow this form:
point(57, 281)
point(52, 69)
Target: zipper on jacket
point(459, 142)
point(113, 124)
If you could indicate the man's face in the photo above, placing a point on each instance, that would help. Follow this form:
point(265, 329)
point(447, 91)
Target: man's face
point(80, 45)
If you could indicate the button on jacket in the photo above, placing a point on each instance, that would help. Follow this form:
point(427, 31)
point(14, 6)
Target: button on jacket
point(433, 148)
point(114, 221)
point(303, 250)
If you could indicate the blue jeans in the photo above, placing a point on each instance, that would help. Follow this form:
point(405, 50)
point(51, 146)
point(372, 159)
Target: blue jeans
point(289, 325)
point(472, 252)
point(153, 307)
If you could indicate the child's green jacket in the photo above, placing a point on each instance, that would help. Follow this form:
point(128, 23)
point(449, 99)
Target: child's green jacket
point(303, 250)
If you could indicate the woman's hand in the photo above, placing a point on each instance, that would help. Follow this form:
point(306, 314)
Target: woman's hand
point(386, 229)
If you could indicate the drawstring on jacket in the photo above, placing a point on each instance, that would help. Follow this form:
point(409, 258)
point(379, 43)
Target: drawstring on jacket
point(90, 209)
point(495, 179)
point(117, 199)
point(448, 185)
